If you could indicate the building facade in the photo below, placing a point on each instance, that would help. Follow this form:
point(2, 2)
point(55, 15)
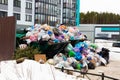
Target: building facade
point(23, 10)
point(69, 12)
point(59, 11)
point(30, 12)
point(45, 12)
point(55, 12)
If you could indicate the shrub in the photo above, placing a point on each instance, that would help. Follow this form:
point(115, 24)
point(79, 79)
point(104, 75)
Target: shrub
point(28, 52)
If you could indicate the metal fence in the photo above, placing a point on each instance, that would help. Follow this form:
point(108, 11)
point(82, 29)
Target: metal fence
point(101, 76)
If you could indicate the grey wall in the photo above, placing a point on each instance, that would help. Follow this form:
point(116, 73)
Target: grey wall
point(16, 9)
point(88, 30)
point(3, 7)
point(22, 26)
point(28, 11)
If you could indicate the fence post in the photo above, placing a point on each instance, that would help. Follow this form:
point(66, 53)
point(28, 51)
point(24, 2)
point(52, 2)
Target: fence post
point(102, 76)
point(62, 69)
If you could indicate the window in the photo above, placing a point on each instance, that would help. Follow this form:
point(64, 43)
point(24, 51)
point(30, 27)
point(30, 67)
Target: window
point(73, 0)
point(42, 17)
point(59, 1)
point(41, 5)
point(3, 14)
point(17, 3)
point(37, 18)
point(49, 9)
point(47, 1)
point(64, 15)
point(28, 5)
point(38, 10)
point(73, 5)
point(4, 2)
point(29, 18)
point(64, 5)
point(17, 16)
point(73, 14)
point(37, 4)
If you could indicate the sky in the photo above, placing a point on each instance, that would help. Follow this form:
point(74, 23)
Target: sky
point(111, 6)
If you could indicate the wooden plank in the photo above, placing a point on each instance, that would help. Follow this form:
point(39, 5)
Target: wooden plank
point(7, 37)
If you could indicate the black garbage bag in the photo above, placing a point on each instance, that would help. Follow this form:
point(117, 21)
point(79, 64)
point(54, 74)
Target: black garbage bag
point(105, 54)
point(91, 65)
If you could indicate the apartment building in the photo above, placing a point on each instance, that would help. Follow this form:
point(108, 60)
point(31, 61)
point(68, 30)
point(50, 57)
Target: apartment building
point(52, 12)
point(55, 12)
point(23, 10)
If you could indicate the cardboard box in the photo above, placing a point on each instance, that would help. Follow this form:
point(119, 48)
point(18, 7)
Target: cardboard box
point(37, 57)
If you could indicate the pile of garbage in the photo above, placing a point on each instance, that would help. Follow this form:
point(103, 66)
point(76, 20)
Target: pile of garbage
point(81, 57)
point(52, 34)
